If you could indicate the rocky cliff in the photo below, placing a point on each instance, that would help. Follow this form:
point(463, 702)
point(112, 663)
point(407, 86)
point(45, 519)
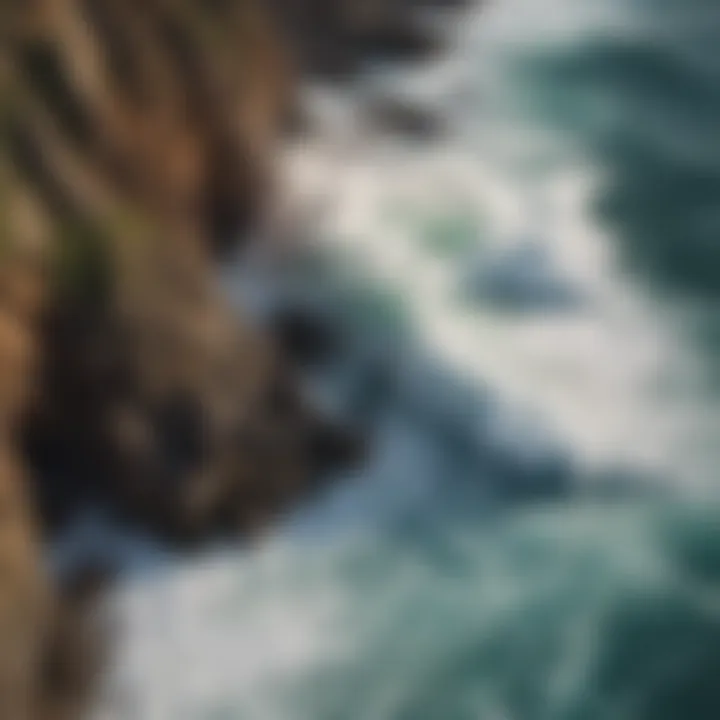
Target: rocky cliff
point(136, 148)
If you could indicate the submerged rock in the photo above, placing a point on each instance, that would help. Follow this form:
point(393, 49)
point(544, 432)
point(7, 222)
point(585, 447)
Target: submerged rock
point(522, 279)
point(405, 118)
point(307, 338)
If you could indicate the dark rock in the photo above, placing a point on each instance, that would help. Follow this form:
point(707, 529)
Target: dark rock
point(405, 118)
point(333, 38)
point(522, 279)
point(207, 429)
point(304, 337)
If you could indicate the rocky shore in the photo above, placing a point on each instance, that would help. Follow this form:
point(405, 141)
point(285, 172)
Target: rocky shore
point(136, 150)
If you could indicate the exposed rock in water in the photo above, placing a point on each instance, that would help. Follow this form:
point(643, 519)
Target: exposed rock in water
point(404, 118)
point(305, 338)
point(176, 417)
point(332, 38)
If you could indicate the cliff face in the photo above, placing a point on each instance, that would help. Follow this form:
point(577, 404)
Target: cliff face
point(24, 599)
point(136, 147)
point(145, 132)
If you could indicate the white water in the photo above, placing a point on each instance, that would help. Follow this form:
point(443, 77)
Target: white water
point(609, 376)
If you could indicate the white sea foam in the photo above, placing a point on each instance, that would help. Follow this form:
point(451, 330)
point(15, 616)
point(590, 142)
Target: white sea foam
point(594, 373)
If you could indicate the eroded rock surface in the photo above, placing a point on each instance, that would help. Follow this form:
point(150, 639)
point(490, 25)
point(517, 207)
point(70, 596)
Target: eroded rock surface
point(136, 149)
point(135, 146)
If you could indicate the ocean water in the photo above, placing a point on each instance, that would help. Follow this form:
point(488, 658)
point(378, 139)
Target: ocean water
point(533, 344)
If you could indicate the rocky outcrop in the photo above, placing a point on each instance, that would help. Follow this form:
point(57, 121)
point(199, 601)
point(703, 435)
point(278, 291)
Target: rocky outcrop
point(332, 38)
point(175, 414)
point(136, 148)
point(146, 131)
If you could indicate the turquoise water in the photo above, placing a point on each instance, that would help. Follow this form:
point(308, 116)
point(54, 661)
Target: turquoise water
point(589, 613)
point(600, 614)
point(535, 348)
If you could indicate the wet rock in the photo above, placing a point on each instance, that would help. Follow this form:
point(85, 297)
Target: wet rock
point(185, 420)
point(404, 118)
point(334, 38)
point(306, 338)
point(522, 279)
